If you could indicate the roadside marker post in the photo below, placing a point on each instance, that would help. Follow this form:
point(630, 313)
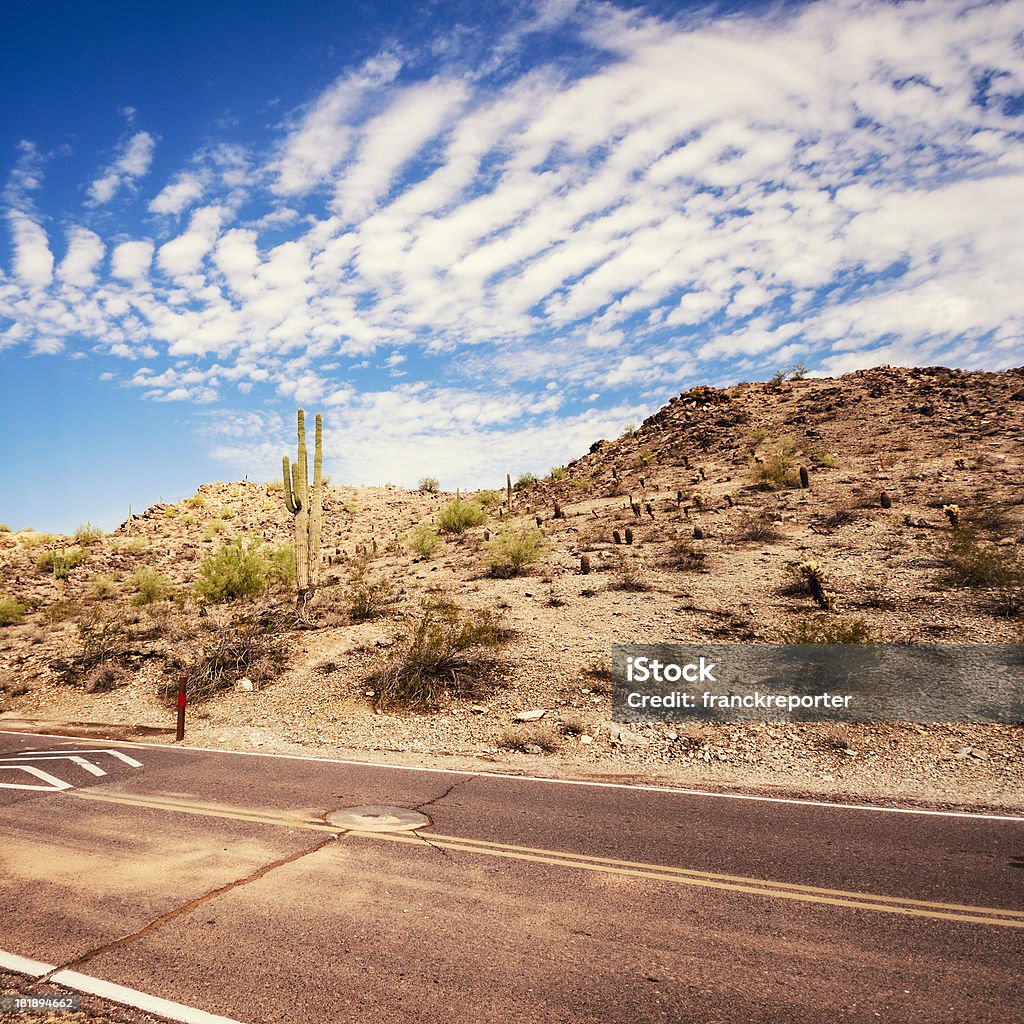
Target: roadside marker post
point(179, 734)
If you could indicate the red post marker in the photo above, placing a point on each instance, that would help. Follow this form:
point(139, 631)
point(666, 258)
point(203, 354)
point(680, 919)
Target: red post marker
point(179, 734)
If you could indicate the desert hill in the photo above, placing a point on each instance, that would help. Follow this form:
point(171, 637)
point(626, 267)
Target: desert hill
point(904, 487)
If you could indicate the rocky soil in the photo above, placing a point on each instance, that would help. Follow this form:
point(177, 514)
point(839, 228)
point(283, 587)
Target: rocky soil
point(710, 490)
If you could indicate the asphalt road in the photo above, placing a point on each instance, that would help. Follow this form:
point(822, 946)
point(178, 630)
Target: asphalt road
point(214, 880)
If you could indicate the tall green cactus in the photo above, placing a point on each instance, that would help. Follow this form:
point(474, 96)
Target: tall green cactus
point(308, 509)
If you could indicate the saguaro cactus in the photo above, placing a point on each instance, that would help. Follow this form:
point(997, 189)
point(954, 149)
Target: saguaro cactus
point(307, 506)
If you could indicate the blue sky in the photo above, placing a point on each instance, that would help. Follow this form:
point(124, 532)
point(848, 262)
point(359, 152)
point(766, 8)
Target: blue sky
point(477, 237)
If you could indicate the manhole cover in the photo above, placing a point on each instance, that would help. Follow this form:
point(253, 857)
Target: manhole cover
point(378, 819)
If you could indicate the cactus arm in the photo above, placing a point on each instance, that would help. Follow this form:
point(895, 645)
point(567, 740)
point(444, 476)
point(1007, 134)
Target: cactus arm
point(289, 494)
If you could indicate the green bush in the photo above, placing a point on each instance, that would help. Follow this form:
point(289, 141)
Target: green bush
point(102, 586)
point(11, 611)
point(281, 565)
point(87, 534)
point(488, 499)
point(559, 472)
point(4, 528)
point(514, 547)
point(150, 586)
point(525, 481)
point(779, 468)
point(459, 515)
point(444, 656)
point(430, 484)
point(235, 570)
point(214, 528)
point(970, 562)
point(423, 541)
point(198, 501)
point(61, 562)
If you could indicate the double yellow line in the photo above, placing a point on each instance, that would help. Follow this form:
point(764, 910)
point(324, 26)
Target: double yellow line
point(584, 862)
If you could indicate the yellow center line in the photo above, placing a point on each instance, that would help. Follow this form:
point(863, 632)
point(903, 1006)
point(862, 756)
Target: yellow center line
point(585, 862)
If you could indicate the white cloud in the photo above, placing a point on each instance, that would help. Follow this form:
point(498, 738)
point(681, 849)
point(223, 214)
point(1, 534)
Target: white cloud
point(131, 261)
point(33, 260)
point(84, 253)
point(132, 161)
point(179, 194)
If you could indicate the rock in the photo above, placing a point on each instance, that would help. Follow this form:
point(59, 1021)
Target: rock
point(531, 716)
point(981, 755)
point(625, 737)
point(532, 748)
point(587, 739)
point(962, 753)
point(383, 641)
point(479, 709)
point(246, 684)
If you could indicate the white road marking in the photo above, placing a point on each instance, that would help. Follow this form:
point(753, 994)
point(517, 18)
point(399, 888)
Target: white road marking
point(108, 990)
point(668, 790)
point(87, 765)
point(30, 754)
point(55, 783)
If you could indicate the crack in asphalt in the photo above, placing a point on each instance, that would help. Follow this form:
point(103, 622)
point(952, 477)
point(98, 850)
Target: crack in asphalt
point(437, 799)
point(191, 905)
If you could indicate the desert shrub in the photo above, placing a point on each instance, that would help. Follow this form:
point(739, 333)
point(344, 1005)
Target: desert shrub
point(367, 596)
point(226, 512)
point(235, 570)
point(629, 574)
point(841, 515)
point(423, 541)
point(12, 611)
point(87, 534)
point(4, 528)
point(559, 472)
point(685, 556)
point(214, 528)
point(524, 482)
point(644, 459)
point(829, 629)
point(101, 640)
point(222, 653)
point(429, 484)
point(280, 561)
point(968, 561)
point(448, 653)
point(574, 725)
point(778, 468)
point(514, 547)
point(529, 738)
point(459, 515)
point(102, 586)
point(273, 486)
point(583, 483)
point(149, 586)
point(61, 562)
point(825, 461)
point(199, 500)
point(757, 526)
point(171, 512)
point(487, 499)
point(629, 430)
point(37, 540)
point(104, 677)
point(131, 545)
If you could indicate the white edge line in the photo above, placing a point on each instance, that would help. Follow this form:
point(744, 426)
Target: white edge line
point(108, 990)
point(554, 782)
point(139, 1000)
point(23, 965)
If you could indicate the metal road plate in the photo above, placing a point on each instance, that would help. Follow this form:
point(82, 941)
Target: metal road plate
point(378, 819)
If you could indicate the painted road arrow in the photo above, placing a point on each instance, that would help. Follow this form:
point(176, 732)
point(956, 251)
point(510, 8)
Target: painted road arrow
point(17, 763)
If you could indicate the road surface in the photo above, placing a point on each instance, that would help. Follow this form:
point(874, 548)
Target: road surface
point(217, 881)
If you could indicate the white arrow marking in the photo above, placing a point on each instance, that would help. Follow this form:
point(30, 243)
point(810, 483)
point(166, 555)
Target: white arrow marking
point(55, 784)
point(87, 765)
point(29, 754)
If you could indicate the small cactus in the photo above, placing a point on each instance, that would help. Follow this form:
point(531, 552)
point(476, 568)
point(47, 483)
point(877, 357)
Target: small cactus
point(616, 536)
point(698, 533)
point(805, 479)
point(952, 513)
point(814, 577)
point(540, 521)
point(884, 500)
point(585, 565)
point(635, 506)
point(629, 535)
point(679, 498)
point(649, 509)
point(559, 514)
point(508, 489)
point(487, 534)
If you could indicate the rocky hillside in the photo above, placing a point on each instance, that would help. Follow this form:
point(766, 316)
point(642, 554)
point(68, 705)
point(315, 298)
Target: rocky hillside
point(904, 487)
